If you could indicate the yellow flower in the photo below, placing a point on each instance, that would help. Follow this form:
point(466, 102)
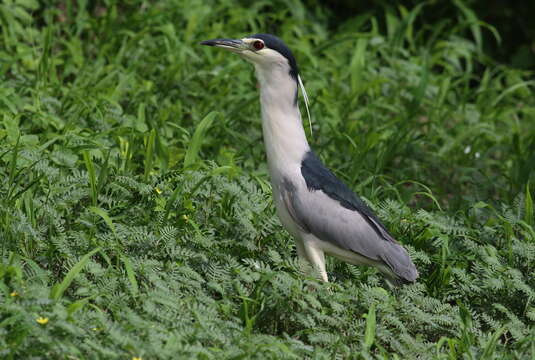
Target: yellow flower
point(14, 293)
point(42, 320)
point(137, 358)
point(185, 217)
point(158, 190)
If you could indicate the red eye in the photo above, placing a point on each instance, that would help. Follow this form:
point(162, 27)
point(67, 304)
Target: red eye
point(258, 45)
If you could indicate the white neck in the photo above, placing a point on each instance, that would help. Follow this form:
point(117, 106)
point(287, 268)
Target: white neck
point(284, 136)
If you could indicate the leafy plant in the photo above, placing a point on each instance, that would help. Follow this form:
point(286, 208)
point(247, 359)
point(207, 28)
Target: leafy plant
point(135, 222)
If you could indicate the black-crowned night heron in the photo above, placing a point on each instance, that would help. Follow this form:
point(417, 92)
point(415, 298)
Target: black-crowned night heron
point(317, 209)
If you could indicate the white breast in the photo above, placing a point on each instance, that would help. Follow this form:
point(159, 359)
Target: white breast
point(284, 137)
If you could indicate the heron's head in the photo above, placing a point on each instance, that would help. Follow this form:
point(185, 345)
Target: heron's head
point(267, 52)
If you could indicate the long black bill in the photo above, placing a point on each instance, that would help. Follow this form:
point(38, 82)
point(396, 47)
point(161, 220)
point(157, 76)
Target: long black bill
point(225, 43)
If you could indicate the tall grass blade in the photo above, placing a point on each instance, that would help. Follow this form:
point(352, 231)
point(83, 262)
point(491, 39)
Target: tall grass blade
point(134, 288)
point(90, 167)
point(104, 215)
point(57, 290)
point(371, 324)
point(528, 205)
point(490, 347)
point(149, 153)
point(13, 165)
point(197, 139)
point(473, 21)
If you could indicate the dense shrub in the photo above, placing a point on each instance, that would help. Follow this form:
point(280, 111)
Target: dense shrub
point(135, 210)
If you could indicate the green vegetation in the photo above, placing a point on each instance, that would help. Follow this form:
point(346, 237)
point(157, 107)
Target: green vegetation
point(135, 212)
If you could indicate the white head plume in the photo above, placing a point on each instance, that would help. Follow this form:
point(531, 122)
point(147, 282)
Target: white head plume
point(305, 97)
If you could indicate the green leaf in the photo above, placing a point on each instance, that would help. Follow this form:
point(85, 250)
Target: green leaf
point(474, 22)
point(77, 305)
point(57, 290)
point(104, 215)
point(528, 205)
point(490, 347)
point(88, 160)
point(134, 289)
point(149, 152)
point(197, 140)
point(369, 334)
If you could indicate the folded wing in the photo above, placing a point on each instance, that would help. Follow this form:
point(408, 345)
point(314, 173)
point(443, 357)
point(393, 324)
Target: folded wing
point(332, 212)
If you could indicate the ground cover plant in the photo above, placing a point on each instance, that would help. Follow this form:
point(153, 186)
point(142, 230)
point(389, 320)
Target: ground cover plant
point(135, 212)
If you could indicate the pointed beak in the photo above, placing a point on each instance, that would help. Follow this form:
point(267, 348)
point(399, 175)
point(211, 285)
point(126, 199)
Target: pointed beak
point(234, 45)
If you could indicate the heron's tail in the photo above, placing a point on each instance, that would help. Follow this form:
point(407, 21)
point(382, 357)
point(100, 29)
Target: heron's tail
point(403, 270)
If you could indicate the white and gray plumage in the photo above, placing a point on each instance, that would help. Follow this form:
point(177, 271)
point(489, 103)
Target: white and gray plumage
point(317, 209)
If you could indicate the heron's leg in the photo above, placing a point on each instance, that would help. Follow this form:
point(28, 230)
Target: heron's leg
point(300, 247)
point(315, 256)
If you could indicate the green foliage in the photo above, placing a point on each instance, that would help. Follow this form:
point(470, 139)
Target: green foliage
point(134, 222)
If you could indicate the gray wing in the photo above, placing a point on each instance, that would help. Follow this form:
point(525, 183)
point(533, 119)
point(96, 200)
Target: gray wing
point(326, 218)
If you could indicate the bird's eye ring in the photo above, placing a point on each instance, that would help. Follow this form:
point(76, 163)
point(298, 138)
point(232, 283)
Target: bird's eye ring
point(258, 45)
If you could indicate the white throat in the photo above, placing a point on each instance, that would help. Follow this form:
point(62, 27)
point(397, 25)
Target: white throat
point(284, 136)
